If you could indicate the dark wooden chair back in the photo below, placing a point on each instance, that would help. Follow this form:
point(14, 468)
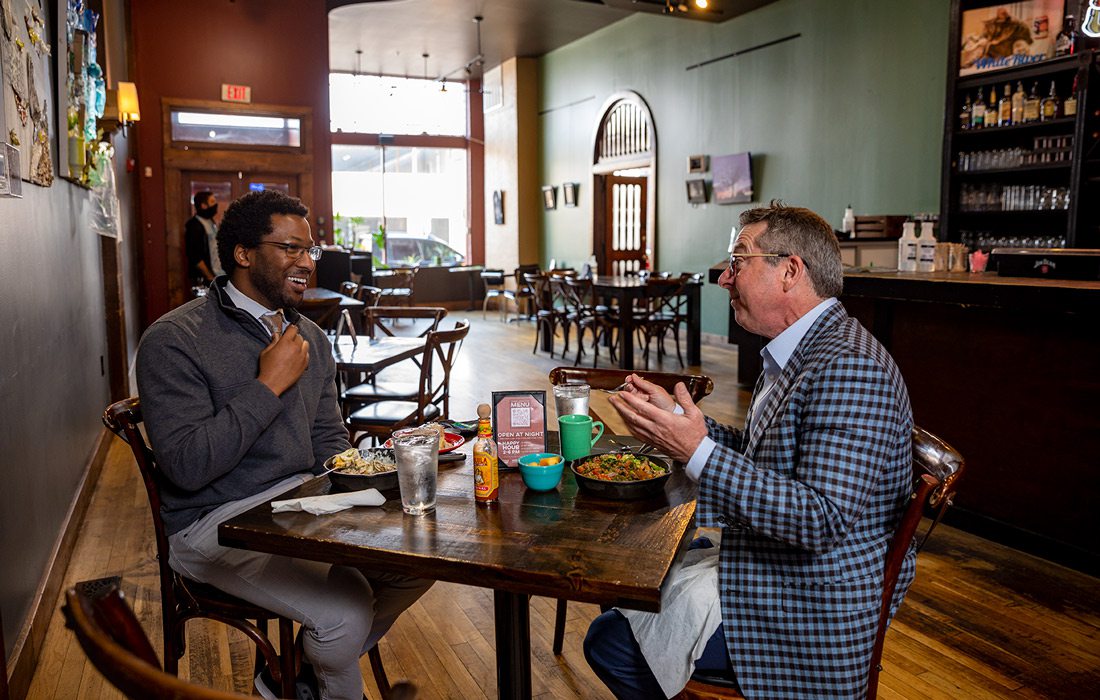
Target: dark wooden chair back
point(323, 312)
point(368, 295)
point(111, 636)
point(375, 317)
point(698, 385)
point(349, 289)
point(443, 348)
point(937, 468)
point(182, 599)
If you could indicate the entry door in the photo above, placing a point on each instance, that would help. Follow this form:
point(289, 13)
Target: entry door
point(625, 241)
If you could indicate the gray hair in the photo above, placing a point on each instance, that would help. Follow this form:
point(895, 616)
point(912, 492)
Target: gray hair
point(801, 232)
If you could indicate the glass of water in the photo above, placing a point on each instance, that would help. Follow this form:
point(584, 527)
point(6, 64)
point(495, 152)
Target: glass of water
point(571, 399)
point(417, 458)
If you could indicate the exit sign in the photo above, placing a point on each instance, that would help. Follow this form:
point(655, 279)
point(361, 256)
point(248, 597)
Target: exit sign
point(236, 93)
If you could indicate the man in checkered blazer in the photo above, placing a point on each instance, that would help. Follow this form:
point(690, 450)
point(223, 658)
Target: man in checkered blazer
point(807, 496)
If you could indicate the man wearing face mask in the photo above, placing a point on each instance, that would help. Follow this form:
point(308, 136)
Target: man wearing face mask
point(199, 231)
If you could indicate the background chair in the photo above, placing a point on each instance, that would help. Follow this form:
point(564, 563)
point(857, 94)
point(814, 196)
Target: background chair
point(937, 468)
point(698, 385)
point(666, 311)
point(494, 289)
point(324, 312)
point(114, 641)
point(547, 316)
point(383, 321)
point(399, 287)
point(523, 295)
point(586, 314)
point(183, 599)
point(432, 401)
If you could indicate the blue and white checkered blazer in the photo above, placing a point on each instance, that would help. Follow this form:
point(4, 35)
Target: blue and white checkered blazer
point(808, 498)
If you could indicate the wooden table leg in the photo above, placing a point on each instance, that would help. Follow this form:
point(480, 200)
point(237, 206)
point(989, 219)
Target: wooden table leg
point(626, 333)
point(513, 638)
point(694, 325)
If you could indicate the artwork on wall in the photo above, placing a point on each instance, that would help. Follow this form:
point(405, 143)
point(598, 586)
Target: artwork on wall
point(25, 80)
point(698, 164)
point(1010, 34)
point(81, 89)
point(697, 191)
point(569, 193)
point(549, 197)
point(498, 207)
point(732, 178)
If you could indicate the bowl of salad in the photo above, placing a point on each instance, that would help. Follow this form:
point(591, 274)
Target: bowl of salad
point(621, 475)
point(364, 468)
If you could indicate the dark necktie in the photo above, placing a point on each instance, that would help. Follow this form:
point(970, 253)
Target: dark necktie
point(273, 321)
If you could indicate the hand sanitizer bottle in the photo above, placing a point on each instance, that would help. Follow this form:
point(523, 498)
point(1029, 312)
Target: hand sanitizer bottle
point(927, 246)
point(848, 225)
point(907, 247)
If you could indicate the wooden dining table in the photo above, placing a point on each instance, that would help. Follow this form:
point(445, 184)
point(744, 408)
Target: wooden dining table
point(369, 355)
point(563, 543)
point(629, 289)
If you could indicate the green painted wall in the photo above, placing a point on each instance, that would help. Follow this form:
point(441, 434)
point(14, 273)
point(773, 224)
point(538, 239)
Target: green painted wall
point(852, 111)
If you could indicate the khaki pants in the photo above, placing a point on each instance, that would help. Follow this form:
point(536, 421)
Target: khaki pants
point(344, 611)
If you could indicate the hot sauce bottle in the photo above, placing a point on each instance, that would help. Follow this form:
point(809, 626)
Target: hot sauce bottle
point(486, 471)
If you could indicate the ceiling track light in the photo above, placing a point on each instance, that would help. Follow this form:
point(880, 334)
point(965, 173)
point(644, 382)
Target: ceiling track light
point(477, 61)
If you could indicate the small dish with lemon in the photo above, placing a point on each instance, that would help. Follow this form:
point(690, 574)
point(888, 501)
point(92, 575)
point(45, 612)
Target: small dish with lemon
point(541, 471)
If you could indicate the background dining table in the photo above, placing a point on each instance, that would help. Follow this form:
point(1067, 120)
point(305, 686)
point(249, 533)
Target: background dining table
point(627, 290)
point(563, 543)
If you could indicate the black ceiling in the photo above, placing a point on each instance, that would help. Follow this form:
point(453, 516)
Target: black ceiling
point(393, 35)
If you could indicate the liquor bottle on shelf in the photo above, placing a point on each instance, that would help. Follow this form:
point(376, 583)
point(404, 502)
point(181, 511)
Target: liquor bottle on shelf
point(1049, 106)
point(1018, 103)
point(1031, 104)
point(1004, 107)
point(977, 112)
point(1066, 43)
point(1069, 107)
point(964, 114)
point(991, 108)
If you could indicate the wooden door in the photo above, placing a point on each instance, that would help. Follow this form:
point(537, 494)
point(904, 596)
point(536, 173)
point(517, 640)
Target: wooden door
point(227, 187)
point(624, 238)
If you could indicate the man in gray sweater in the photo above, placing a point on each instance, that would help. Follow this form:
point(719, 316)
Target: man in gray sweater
point(239, 398)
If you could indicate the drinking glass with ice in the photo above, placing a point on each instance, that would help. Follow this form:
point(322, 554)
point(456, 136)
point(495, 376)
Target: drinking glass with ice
point(417, 458)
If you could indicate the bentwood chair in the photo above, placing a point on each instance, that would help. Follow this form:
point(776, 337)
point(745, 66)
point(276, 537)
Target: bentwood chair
point(324, 312)
point(586, 314)
point(494, 289)
point(398, 288)
point(183, 599)
point(432, 401)
point(392, 321)
point(110, 634)
point(937, 468)
point(699, 387)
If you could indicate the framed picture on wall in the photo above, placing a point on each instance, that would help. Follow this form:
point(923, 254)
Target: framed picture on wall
point(733, 179)
point(1009, 34)
point(549, 197)
point(697, 191)
point(498, 207)
point(569, 193)
point(698, 164)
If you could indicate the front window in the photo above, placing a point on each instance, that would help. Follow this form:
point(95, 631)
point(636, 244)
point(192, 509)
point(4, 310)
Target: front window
point(378, 104)
point(418, 187)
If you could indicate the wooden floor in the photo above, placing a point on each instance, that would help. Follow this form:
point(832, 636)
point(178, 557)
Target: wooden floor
point(981, 621)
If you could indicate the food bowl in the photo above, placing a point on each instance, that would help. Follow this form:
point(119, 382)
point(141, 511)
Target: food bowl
point(541, 477)
point(348, 481)
point(623, 490)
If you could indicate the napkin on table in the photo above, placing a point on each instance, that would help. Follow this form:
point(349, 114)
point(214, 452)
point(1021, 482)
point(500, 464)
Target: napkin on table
point(331, 503)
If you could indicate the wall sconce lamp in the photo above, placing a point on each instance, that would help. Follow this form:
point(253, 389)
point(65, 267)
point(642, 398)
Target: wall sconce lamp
point(122, 109)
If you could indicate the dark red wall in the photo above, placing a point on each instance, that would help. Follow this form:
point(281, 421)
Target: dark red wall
point(187, 50)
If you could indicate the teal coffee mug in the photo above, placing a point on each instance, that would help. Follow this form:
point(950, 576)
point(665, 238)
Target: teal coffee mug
point(576, 435)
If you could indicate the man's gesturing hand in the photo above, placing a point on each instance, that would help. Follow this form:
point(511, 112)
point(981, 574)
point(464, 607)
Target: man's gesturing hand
point(284, 360)
point(649, 419)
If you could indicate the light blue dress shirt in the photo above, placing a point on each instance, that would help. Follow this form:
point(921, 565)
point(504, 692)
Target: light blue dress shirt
point(775, 356)
point(249, 305)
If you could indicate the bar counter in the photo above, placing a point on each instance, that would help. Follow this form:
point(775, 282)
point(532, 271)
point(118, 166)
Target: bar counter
point(1006, 369)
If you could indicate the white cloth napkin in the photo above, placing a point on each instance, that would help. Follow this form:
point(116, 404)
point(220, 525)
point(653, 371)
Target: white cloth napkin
point(331, 503)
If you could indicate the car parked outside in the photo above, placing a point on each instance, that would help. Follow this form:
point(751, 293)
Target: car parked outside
point(411, 250)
